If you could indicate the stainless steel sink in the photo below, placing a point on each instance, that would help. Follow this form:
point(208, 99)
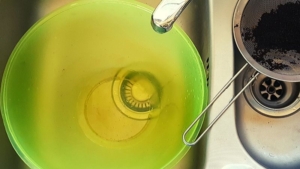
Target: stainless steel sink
point(223, 146)
point(267, 120)
point(244, 137)
point(261, 129)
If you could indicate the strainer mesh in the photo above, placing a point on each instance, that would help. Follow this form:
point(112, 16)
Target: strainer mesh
point(280, 59)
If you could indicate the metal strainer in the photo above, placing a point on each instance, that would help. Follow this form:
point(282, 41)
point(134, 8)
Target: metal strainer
point(247, 16)
point(277, 63)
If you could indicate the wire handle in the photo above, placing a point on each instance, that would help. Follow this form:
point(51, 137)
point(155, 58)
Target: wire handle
point(212, 102)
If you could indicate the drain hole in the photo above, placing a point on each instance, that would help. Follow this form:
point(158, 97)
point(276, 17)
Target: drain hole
point(272, 90)
point(274, 93)
point(270, 96)
point(137, 94)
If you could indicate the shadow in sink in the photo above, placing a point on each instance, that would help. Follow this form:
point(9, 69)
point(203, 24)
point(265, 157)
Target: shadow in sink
point(267, 118)
point(17, 16)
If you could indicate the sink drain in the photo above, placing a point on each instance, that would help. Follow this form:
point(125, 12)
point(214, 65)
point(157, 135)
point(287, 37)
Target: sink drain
point(272, 90)
point(139, 91)
point(270, 96)
point(137, 94)
point(274, 93)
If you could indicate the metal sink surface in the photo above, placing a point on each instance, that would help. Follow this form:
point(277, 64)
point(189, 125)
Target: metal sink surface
point(209, 25)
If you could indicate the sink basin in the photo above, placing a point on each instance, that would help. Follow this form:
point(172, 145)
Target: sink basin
point(267, 118)
point(247, 136)
point(266, 121)
point(17, 17)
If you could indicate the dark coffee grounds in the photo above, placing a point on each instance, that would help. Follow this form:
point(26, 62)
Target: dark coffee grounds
point(278, 30)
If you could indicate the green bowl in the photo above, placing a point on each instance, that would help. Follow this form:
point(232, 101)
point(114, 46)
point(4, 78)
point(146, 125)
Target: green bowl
point(93, 86)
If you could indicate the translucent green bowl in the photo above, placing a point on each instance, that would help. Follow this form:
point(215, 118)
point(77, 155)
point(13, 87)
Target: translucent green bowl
point(93, 86)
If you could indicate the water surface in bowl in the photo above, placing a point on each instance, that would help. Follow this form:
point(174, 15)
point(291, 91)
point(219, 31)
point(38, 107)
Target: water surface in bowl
point(92, 84)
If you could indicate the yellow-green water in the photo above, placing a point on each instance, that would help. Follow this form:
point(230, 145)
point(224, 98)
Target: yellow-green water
point(61, 94)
